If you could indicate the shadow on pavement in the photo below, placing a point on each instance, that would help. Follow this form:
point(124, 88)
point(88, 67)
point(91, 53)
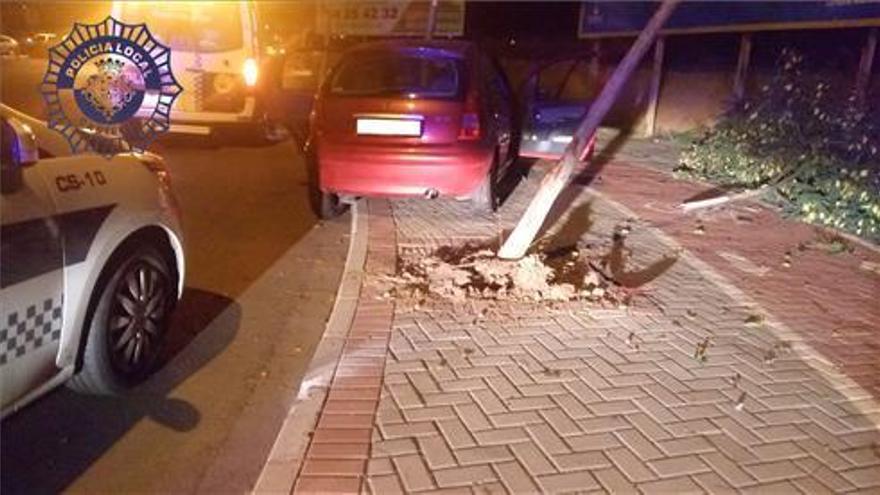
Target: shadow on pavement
point(574, 222)
point(514, 174)
point(616, 262)
point(50, 443)
point(594, 167)
point(578, 223)
point(582, 177)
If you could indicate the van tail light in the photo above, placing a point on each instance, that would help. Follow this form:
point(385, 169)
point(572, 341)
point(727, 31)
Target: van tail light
point(251, 72)
point(470, 119)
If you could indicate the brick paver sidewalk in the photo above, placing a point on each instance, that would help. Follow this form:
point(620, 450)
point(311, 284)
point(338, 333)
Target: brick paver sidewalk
point(729, 371)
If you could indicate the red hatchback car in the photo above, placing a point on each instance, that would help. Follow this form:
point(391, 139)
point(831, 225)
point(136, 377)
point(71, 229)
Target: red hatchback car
point(412, 118)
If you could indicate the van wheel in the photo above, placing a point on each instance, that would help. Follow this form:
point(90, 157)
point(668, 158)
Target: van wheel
point(485, 198)
point(263, 131)
point(329, 205)
point(125, 333)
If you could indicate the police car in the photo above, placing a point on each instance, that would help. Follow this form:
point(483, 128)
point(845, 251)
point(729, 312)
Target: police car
point(91, 264)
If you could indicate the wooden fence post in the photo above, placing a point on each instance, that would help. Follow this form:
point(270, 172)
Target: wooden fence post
point(742, 67)
point(867, 61)
point(654, 91)
point(432, 20)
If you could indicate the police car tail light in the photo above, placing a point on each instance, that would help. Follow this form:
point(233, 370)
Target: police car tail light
point(251, 72)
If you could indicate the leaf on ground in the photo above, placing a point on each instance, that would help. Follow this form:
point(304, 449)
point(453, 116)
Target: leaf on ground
point(632, 341)
point(870, 266)
point(735, 380)
point(700, 353)
point(786, 259)
point(754, 320)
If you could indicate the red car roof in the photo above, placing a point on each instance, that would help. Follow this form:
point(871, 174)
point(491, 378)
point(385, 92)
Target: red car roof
point(455, 48)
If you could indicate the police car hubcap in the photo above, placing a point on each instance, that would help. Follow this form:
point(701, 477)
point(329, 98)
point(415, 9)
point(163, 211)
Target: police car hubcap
point(137, 316)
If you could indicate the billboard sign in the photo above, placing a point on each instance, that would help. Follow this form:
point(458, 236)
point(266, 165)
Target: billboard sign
point(391, 17)
point(605, 19)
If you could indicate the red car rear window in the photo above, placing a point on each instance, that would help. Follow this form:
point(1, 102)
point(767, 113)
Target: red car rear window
point(392, 73)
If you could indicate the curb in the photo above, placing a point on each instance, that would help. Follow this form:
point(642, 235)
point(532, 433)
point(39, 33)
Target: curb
point(341, 442)
point(283, 464)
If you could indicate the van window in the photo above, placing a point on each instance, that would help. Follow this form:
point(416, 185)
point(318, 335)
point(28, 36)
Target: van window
point(190, 26)
point(393, 73)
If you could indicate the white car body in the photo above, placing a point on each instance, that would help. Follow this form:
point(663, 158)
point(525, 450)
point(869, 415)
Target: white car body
point(198, 63)
point(44, 37)
point(59, 229)
point(8, 45)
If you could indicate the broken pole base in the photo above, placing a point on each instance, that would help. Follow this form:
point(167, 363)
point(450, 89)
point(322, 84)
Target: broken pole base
point(519, 241)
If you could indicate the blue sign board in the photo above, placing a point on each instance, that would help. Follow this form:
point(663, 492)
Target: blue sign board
point(604, 19)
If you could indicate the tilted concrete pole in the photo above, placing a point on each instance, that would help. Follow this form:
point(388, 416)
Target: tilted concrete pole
point(554, 182)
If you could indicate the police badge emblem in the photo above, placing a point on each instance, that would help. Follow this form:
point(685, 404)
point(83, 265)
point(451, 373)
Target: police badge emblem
point(109, 87)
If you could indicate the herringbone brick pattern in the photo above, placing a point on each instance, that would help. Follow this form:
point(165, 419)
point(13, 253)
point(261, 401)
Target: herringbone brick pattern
point(335, 461)
point(829, 299)
point(695, 388)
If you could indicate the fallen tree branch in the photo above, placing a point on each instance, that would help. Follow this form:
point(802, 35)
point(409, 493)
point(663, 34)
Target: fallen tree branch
point(788, 174)
point(689, 206)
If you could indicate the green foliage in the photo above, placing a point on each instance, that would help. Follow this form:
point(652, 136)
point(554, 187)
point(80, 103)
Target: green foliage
point(813, 141)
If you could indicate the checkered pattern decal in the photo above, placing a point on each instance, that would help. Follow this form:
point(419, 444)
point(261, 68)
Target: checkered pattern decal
point(24, 331)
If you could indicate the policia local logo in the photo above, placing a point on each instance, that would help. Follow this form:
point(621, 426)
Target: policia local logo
point(109, 87)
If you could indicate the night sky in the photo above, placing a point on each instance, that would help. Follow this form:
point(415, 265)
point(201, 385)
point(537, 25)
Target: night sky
point(526, 20)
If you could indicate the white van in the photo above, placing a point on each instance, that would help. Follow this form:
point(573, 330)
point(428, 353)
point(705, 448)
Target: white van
point(215, 57)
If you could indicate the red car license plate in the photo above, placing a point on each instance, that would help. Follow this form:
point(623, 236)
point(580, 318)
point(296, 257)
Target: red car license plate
point(389, 127)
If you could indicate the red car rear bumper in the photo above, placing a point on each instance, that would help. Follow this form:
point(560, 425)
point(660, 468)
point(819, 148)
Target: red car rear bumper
point(395, 170)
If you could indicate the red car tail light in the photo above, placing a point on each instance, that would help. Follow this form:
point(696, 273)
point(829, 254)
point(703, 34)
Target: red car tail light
point(470, 119)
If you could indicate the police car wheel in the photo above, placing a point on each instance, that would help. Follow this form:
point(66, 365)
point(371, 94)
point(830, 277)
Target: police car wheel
point(263, 131)
point(128, 325)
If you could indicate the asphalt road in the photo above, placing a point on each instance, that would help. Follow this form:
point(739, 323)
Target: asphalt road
point(261, 280)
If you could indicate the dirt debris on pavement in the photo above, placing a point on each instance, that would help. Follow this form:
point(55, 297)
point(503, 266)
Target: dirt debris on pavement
point(473, 271)
point(702, 349)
